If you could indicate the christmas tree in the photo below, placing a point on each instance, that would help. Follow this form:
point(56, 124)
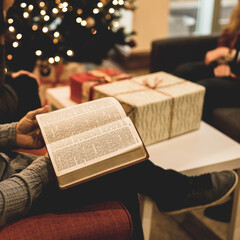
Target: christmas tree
point(64, 30)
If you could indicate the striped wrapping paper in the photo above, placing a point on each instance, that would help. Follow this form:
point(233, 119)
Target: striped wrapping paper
point(160, 105)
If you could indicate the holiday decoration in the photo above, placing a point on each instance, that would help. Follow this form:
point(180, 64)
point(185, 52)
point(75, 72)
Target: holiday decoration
point(58, 30)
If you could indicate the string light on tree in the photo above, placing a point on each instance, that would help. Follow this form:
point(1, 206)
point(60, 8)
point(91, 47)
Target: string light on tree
point(70, 53)
point(62, 30)
point(30, 7)
point(11, 29)
point(38, 52)
point(57, 59)
point(15, 44)
point(10, 21)
point(51, 60)
point(23, 5)
point(19, 36)
point(95, 10)
point(100, 4)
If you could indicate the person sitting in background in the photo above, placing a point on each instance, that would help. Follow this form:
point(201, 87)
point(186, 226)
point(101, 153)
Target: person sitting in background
point(28, 182)
point(18, 91)
point(220, 70)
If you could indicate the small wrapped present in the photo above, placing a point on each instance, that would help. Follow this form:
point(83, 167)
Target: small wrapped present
point(58, 73)
point(82, 84)
point(160, 105)
point(55, 75)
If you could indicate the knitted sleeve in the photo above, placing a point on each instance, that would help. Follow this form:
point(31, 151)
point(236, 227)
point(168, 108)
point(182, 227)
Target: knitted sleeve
point(18, 192)
point(8, 136)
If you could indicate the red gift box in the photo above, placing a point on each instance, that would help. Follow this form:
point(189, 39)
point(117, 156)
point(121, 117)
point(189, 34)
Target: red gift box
point(82, 84)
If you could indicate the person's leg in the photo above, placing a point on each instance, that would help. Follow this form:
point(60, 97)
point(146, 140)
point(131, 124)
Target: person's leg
point(193, 71)
point(26, 89)
point(220, 92)
point(172, 191)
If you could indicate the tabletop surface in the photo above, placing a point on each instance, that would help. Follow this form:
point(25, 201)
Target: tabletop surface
point(196, 152)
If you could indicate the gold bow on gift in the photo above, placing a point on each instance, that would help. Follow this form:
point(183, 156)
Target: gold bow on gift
point(102, 77)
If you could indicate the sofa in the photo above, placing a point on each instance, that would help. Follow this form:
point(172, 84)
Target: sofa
point(167, 54)
point(113, 219)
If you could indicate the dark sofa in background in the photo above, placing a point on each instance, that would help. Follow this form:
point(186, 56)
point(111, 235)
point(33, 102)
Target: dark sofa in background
point(167, 54)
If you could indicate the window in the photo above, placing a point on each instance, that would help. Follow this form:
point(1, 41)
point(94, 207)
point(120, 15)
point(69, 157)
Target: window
point(198, 17)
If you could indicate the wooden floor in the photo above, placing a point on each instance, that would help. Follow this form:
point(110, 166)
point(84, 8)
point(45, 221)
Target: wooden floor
point(186, 226)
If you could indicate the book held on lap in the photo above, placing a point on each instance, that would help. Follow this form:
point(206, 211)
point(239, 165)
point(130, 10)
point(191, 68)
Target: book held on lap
point(89, 140)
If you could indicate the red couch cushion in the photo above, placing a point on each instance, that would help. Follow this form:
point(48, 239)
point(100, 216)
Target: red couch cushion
point(107, 220)
point(38, 152)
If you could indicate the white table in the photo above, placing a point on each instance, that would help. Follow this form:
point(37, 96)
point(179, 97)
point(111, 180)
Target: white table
point(193, 153)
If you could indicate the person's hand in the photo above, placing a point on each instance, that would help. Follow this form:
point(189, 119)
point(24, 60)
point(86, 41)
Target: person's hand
point(24, 72)
point(222, 70)
point(28, 134)
point(215, 54)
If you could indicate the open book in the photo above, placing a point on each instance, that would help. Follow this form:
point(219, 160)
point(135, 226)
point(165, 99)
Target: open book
point(89, 140)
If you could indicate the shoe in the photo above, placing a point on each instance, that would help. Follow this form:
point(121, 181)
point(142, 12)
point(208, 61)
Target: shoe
point(202, 191)
point(222, 212)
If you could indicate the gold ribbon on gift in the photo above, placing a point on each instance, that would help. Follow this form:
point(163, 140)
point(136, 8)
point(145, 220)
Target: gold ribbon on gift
point(105, 78)
point(155, 84)
point(156, 87)
point(102, 77)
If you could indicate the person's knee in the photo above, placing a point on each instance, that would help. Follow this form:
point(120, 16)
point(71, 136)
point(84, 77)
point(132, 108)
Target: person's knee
point(182, 70)
point(208, 83)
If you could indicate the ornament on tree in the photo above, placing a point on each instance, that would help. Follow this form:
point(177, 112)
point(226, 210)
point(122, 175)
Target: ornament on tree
point(44, 69)
point(90, 22)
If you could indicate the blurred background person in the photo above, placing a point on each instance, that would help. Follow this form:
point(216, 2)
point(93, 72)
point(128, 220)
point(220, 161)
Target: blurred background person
point(219, 72)
point(18, 91)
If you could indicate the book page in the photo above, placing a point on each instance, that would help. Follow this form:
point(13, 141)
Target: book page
point(93, 146)
point(76, 119)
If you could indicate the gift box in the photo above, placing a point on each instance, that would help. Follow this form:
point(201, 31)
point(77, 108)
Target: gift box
point(160, 105)
point(82, 84)
point(58, 73)
point(55, 75)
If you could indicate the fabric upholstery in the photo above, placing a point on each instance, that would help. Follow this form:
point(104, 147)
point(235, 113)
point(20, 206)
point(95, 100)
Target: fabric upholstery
point(228, 121)
point(38, 152)
point(107, 220)
point(168, 53)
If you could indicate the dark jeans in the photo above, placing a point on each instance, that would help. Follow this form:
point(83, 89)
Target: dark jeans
point(164, 186)
point(220, 91)
point(26, 89)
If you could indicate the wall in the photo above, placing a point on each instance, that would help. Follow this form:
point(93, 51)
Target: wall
point(150, 21)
